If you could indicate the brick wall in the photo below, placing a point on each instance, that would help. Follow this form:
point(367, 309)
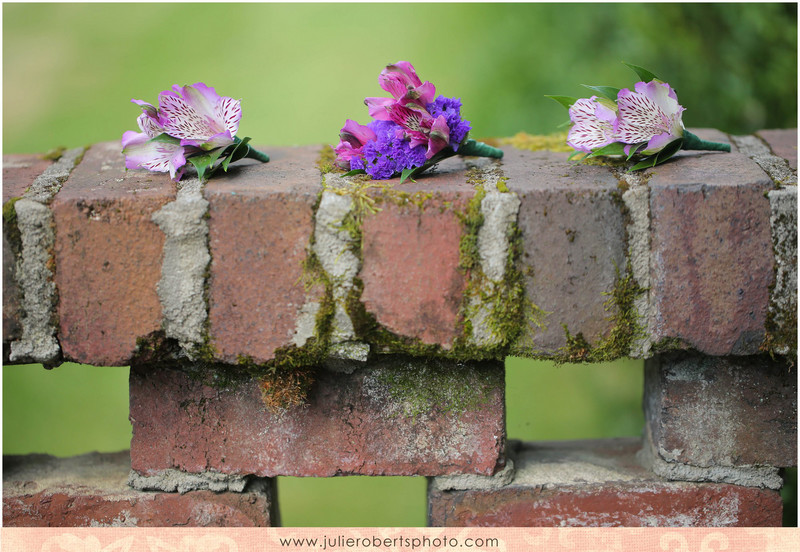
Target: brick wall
point(281, 321)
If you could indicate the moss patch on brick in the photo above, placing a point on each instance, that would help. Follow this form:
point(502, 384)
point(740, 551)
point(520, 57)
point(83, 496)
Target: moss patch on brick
point(418, 386)
point(550, 142)
point(625, 330)
point(10, 226)
point(326, 162)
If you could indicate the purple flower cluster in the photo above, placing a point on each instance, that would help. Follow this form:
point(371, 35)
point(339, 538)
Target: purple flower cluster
point(451, 109)
point(407, 130)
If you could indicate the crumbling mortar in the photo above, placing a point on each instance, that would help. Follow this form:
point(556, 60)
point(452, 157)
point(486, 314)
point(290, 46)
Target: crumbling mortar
point(186, 262)
point(33, 224)
point(759, 151)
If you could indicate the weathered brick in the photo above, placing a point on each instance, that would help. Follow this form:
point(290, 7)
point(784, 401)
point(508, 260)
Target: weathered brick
point(261, 221)
point(92, 491)
point(574, 243)
point(599, 483)
point(783, 143)
point(711, 253)
point(412, 281)
point(730, 411)
point(395, 417)
point(108, 256)
point(19, 172)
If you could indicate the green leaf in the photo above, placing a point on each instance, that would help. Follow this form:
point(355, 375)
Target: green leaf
point(164, 137)
point(406, 174)
point(636, 148)
point(239, 151)
point(576, 153)
point(201, 163)
point(606, 91)
point(615, 148)
point(355, 172)
point(656, 159)
point(643, 73)
point(566, 101)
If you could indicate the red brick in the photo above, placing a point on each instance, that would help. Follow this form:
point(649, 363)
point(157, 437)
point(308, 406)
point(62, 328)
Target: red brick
point(19, 172)
point(92, 491)
point(783, 143)
point(711, 264)
point(573, 243)
point(599, 483)
point(707, 411)
point(353, 424)
point(108, 256)
point(261, 221)
point(412, 281)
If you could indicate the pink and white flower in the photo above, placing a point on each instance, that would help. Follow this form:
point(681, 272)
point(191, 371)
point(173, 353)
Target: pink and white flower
point(651, 114)
point(142, 152)
point(199, 117)
point(593, 124)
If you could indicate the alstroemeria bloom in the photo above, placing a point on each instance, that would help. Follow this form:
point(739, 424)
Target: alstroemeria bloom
point(593, 125)
point(199, 117)
point(141, 152)
point(407, 89)
point(352, 138)
point(651, 114)
point(421, 128)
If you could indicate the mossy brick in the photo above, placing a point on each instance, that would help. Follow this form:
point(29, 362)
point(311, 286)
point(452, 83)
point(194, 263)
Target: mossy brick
point(722, 411)
point(108, 255)
point(394, 417)
point(783, 143)
point(711, 252)
point(412, 281)
point(261, 219)
point(599, 483)
point(573, 249)
point(92, 491)
point(19, 172)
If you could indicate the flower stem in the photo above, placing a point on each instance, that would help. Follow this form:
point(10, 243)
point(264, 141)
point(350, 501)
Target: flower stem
point(692, 142)
point(479, 149)
point(253, 153)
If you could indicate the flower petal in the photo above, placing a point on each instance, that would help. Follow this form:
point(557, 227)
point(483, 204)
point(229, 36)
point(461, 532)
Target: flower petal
point(229, 111)
point(154, 156)
point(377, 108)
point(439, 136)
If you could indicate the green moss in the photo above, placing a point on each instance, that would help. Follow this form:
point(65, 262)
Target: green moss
point(668, 344)
point(625, 329)
point(510, 312)
point(418, 386)
point(525, 141)
point(326, 162)
point(10, 226)
point(54, 154)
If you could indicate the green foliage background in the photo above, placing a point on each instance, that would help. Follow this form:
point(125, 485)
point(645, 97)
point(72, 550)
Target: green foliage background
point(70, 70)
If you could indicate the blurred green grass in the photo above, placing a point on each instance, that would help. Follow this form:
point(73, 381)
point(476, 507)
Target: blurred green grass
point(70, 70)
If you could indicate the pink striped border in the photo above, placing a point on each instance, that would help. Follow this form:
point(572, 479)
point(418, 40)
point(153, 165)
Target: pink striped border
point(398, 540)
